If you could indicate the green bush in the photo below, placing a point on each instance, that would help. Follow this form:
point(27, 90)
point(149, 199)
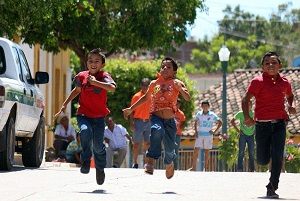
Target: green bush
point(228, 147)
point(292, 160)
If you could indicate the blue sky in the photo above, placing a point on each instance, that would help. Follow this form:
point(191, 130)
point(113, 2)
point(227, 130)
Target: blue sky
point(206, 24)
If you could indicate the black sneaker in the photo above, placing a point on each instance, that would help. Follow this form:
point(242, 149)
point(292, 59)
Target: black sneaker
point(85, 167)
point(100, 176)
point(136, 166)
point(271, 193)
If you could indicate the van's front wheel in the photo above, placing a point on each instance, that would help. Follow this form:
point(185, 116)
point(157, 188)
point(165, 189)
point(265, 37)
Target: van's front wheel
point(7, 155)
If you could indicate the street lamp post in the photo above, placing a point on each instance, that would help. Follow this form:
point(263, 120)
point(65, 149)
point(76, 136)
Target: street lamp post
point(224, 58)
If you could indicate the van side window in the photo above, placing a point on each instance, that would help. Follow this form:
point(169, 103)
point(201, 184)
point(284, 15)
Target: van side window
point(25, 68)
point(2, 61)
point(17, 59)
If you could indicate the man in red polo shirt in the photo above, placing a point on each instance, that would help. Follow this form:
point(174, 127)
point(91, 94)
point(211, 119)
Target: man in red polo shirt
point(139, 122)
point(270, 91)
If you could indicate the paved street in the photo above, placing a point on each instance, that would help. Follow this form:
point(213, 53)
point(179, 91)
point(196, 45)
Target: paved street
point(67, 183)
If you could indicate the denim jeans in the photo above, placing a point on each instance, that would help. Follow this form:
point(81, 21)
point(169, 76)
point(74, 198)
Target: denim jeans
point(270, 141)
point(91, 137)
point(177, 145)
point(243, 140)
point(162, 130)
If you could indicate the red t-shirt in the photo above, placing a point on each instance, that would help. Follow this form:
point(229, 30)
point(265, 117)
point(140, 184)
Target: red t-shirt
point(143, 111)
point(180, 118)
point(92, 99)
point(270, 96)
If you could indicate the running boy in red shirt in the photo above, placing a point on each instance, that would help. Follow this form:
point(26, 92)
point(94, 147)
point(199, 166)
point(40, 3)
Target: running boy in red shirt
point(164, 92)
point(92, 86)
point(270, 91)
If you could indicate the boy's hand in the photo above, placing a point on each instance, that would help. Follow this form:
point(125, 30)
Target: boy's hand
point(126, 112)
point(91, 79)
point(292, 110)
point(177, 85)
point(62, 109)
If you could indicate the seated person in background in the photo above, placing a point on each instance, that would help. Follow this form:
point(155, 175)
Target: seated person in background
point(115, 136)
point(73, 151)
point(64, 134)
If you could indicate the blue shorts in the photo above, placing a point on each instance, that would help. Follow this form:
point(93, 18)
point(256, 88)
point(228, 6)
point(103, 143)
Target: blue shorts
point(142, 130)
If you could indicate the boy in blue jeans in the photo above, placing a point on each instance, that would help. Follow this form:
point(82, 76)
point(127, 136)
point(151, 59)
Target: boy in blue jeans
point(163, 93)
point(91, 86)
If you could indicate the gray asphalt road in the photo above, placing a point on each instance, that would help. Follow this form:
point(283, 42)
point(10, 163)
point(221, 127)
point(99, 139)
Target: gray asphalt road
point(65, 183)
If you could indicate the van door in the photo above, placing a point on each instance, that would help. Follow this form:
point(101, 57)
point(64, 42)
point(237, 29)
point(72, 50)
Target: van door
point(30, 94)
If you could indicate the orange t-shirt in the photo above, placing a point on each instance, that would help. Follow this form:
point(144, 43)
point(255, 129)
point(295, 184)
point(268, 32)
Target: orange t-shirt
point(179, 117)
point(164, 94)
point(143, 111)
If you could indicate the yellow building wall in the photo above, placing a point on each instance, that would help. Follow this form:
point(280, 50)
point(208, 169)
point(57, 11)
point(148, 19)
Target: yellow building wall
point(57, 87)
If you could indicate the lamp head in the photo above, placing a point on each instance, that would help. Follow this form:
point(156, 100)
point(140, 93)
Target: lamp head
point(224, 53)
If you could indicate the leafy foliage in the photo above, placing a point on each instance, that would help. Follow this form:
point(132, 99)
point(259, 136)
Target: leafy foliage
point(112, 25)
point(228, 147)
point(292, 164)
point(248, 38)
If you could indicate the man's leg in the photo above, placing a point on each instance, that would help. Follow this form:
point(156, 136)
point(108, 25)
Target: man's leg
point(206, 159)
point(135, 152)
point(250, 143)
point(242, 146)
point(109, 157)
point(195, 157)
point(121, 156)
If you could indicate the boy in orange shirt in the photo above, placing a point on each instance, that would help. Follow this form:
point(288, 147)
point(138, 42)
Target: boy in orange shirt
point(163, 93)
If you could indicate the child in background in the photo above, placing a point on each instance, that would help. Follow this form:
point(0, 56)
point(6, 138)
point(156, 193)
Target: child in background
point(73, 151)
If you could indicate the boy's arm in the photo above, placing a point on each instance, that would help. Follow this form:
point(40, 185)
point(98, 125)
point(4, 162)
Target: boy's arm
point(292, 104)
point(141, 101)
point(218, 127)
point(182, 89)
point(234, 125)
point(76, 155)
point(129, 138)
point(195, 128)
point(72, 95)
point(248, 121)
point(104, 85)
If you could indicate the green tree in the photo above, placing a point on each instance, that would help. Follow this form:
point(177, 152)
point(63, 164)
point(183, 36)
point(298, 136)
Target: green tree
point(281, 31)
point(243, 54)
point(112, 25)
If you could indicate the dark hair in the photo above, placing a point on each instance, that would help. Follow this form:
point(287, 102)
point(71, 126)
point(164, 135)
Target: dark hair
point(144, 80)
point(269, 54)
point(205, 102)
point(174, 64)
point(98, 51)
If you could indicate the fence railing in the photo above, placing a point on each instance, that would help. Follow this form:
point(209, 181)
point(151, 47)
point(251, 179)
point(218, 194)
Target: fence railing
point(185, 161)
